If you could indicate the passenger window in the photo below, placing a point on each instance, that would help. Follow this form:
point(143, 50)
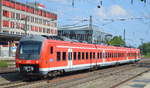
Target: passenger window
point(100, 55)
point(90, 55)
point(79, 55)
point(110, 55)
point(93, 55)
point(58, 56)
point(115, 54)
point(87, 55)
point(97, 55)
point(106, 55)
point(82, 55)
point(64, 56)
point(51, 50)
point(74, 55)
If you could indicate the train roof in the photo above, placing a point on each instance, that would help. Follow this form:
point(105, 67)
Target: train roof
point(66, 40)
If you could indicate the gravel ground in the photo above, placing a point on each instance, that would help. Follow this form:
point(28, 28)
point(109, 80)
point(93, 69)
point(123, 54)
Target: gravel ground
point(109, 81)
point(11, 77)
point(95, 79)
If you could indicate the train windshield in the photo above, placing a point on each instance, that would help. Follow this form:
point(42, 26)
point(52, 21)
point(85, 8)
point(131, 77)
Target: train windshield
point(29, 50)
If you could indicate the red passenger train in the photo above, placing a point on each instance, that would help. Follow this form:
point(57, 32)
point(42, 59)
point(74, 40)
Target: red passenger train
point(37, 55)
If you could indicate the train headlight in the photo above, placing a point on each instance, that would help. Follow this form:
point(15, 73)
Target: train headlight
point(37, 62)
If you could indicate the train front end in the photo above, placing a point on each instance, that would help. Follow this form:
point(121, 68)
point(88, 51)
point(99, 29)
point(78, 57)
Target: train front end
point(28, 55)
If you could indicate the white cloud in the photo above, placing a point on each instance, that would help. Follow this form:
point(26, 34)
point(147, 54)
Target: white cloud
point(101, 12)
point(116, 10)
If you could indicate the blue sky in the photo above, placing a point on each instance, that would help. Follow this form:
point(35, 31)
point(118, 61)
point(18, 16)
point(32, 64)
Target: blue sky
point(111, 9)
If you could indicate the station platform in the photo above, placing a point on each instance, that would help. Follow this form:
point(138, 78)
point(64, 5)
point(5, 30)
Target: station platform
point(7, 58)
point(142, 81)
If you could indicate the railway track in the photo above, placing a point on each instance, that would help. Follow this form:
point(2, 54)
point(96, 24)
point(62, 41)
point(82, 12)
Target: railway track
point(58, 80)
point(91, 76)
point(2, 73)
point(12, 84)
point(76, 79)
point(122, 82)
point(70, 79)
point(20, 83)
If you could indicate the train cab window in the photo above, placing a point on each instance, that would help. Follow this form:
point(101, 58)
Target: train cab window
point(74, 55)
point(79, 55)
point(58, 56)
point(82, 55)
point(93, 55)
point(87, 55)
point(90, 55)
point(64, 56)
point(51, 50)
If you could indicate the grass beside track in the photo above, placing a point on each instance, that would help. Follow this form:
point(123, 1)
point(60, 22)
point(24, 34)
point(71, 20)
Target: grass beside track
point(147, 55)
point(3, 63)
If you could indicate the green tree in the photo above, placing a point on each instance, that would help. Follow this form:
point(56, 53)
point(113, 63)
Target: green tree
point(145, 48)
point(143, 1)
point(116, 41)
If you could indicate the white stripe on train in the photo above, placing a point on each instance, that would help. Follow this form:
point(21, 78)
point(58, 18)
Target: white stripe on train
point(83, 66)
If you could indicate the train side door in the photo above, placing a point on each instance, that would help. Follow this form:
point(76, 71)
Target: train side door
point(103, 56)
point(70, 58)
point(127, 55)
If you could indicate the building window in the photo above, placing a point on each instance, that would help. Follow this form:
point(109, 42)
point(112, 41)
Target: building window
point(5, 13)
point(5, 23)
point(17, 16)
point(12, 24)
point(12, 15)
